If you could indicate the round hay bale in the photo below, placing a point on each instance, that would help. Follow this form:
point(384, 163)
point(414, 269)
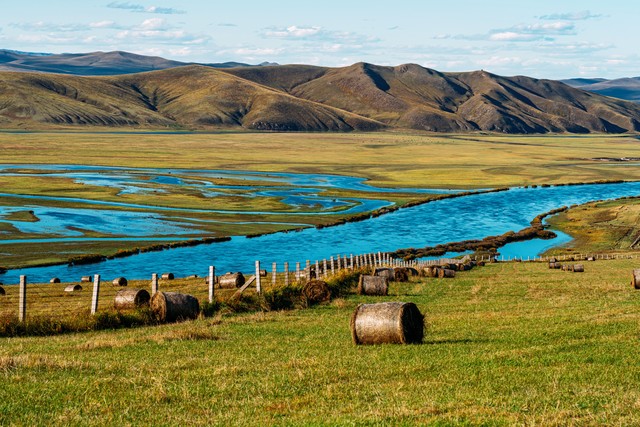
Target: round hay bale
point(564, 267)
point(552, 260)
point(85, 279)
point(73, 288)
point(578, 268)
point(373, 285)
point(481, 263)
point(168, 276)
point(54, 280)
point(2, 291)
point(131, 298)
point(445, 273)
point(412, 271)
point(400, 274)
point(635, 280)
point(591, 258)
point(431, 271)
point(231, 280)
point(173, 306)
point(316, 291)
point(193, 276)
point(389, 273)
point(120, 281)
point(263, 273)
point(387, 323)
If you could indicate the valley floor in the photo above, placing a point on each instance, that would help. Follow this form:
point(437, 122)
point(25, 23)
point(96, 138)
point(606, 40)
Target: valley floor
point(386, 159)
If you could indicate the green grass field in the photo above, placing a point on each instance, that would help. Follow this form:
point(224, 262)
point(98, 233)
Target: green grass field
point(506, 344)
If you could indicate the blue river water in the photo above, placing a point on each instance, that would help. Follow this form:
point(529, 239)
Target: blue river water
point(469, 217)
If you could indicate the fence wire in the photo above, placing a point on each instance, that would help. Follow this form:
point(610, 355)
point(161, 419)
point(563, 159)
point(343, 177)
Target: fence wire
point(71, 300)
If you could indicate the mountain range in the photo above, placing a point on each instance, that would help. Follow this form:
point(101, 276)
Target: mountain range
point(292, 97)
point(93, 63)
point(626, 88)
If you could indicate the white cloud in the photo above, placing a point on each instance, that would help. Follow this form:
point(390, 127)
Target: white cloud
point(49, 27)
point(135, 7)
point(317, 33)
point(254, 51)
point(575, 16)
point(294, 32)
point(103, 24)
point(154, 24)
point(512, 36)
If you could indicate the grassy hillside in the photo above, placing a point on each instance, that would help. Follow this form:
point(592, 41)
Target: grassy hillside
point(186, 97)
point(411, 96)
point(507, 344)
point(306, 98)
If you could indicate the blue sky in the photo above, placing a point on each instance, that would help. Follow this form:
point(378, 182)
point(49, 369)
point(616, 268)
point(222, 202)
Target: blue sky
point(542, 38)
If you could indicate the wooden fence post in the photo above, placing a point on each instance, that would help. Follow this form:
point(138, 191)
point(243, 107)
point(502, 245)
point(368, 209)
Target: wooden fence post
point(297, 271)
point(274, 268)
point(96, 293)
point(154, 284)
point(258, 282)
point(333, 270)
point(212, 281)
point(22, 300)
point(339, 262)
point(351, 264)
point(286, 274)
point(324, 266)
point(317, 270)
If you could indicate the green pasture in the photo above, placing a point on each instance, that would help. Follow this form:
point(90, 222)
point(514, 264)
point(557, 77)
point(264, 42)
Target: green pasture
point(505, 344)
point(386, 158)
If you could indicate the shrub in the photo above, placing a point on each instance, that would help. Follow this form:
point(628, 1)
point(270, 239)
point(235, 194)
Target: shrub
point(343, 282)
point(282, 298)
point(208, 309)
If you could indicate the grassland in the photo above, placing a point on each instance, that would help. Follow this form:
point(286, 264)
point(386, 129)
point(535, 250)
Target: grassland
point(387, 159)
point(507, 344)
point(612, 226)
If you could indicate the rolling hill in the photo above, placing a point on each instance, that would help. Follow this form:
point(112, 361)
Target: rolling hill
point(93, 63)
point(186, 97)
point(411, 96)
point(308, 98)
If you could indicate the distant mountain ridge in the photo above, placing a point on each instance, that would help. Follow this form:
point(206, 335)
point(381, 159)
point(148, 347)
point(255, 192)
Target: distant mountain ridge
point(625, 88)
point(93, 63)
point(295, 98)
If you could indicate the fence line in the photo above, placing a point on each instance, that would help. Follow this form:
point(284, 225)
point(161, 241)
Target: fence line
point(50, 300)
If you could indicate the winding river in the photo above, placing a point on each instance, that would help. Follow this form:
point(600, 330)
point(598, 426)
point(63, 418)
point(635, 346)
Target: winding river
point(469, 217)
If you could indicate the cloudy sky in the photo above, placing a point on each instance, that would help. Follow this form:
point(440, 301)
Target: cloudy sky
point(540, 38)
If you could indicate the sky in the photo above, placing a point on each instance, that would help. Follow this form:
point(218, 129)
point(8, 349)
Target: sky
point(540, 38)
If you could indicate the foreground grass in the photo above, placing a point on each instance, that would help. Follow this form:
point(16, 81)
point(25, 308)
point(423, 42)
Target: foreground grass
point(511, 343)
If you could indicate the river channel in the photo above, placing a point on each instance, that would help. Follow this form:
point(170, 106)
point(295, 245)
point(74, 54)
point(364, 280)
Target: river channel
point(455, 219)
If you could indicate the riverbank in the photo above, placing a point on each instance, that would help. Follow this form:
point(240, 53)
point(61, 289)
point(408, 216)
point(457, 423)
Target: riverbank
point(600, 226)
point(452, 219)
